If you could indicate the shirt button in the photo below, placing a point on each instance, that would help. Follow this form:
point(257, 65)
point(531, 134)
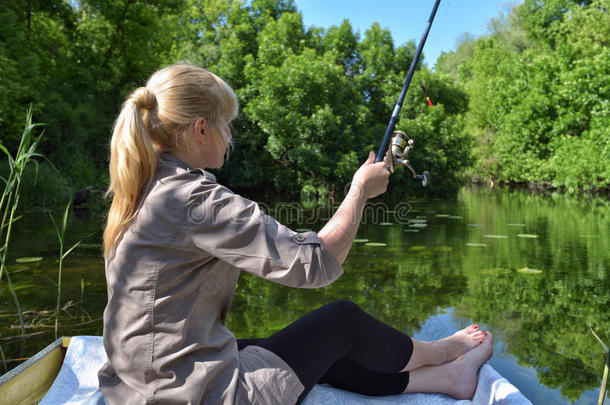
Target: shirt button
point(149, 375)
point(299, 238)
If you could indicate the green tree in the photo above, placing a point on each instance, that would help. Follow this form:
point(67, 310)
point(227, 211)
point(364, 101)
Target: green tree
point(538, 95)
point(305, 106)
point(313, 101)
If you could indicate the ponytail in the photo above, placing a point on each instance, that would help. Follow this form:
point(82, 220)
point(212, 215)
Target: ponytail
point(132, 162)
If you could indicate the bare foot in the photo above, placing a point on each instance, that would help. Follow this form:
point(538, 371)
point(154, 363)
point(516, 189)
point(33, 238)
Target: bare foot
point(457, 378)
point(466, 368)
point(461, 342)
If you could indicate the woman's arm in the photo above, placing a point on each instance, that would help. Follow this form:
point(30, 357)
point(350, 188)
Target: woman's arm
point(369, 181)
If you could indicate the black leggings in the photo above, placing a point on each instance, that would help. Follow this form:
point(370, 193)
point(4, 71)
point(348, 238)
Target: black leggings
point(341, 345)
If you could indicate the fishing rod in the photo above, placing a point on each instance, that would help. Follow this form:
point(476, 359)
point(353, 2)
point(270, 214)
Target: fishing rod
point(401, 144)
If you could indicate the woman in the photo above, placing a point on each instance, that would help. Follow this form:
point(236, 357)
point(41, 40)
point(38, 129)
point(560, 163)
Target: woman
point(174, 245)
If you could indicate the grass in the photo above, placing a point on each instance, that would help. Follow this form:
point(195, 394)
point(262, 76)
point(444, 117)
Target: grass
point(602, 389)
point(26, 154)
point(62, 255)
point(20, 177)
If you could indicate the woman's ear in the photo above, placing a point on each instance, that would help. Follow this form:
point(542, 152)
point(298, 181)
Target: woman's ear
point(200, 129)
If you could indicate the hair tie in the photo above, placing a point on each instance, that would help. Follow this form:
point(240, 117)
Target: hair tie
point(145, 98)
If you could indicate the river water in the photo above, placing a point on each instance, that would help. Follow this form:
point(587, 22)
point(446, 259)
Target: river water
point(532, 269)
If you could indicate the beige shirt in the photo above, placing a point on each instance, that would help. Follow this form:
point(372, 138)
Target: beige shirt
point(170, 285)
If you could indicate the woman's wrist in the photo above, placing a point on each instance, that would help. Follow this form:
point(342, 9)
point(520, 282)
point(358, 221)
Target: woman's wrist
point(357, 192)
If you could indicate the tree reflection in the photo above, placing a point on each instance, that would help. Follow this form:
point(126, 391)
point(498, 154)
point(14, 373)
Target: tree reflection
point(542, 319)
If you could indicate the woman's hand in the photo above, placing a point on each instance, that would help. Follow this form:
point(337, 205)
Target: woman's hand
point(371, 179)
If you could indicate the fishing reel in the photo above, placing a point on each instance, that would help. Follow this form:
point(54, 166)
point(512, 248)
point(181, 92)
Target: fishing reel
point(397, 152)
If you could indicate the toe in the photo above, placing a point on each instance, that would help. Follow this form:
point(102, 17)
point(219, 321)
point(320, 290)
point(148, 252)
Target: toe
point(472, 328)
point(478, 336)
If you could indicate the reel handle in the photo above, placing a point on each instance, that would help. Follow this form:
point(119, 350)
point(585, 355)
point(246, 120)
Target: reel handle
point(424, 177)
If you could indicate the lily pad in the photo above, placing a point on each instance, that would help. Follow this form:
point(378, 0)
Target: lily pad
point(527, 235)
point(444, 248)
point(475, 225)
point(477, 244)
point(418, 225)
point(411, 230)
point(455, 217)
point(360, 240)
point(442, 215)
point(376, 244)
point(386, 223)
point(516, 225)
point(495, 236)
point(417, 247)
point(28, 259)
point(527, 270)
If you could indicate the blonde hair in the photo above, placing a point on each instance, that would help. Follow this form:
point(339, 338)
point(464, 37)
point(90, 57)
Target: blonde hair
point(153, 119)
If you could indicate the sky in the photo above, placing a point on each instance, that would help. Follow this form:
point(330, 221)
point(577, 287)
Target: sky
point(406, 19)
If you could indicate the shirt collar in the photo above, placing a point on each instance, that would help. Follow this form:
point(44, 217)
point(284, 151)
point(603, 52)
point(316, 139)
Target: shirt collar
point(174, 161)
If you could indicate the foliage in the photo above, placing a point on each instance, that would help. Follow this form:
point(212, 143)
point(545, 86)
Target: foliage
point(11, 193)
point(539, 94)
point(61, 236)
point(75, 61)
point(313, 101)
point(528, 101)
point(41, 186)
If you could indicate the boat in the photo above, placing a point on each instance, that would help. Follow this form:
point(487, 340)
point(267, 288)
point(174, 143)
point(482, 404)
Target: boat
point(66, 372)
point(29, 382)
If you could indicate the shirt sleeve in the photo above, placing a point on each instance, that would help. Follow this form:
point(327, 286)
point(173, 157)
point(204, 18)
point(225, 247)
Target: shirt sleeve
point(236, 230)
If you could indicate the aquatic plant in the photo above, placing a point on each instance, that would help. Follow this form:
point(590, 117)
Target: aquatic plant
point(26, 154)
point(602, 389)
point(62, 255)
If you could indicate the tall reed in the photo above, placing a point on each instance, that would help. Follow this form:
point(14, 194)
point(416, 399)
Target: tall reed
point(26, 154)
point(602, 388)
point(61, 233)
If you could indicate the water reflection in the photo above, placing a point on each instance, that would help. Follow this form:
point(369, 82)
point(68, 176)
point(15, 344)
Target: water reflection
point(448, 263)
point(533, 269)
